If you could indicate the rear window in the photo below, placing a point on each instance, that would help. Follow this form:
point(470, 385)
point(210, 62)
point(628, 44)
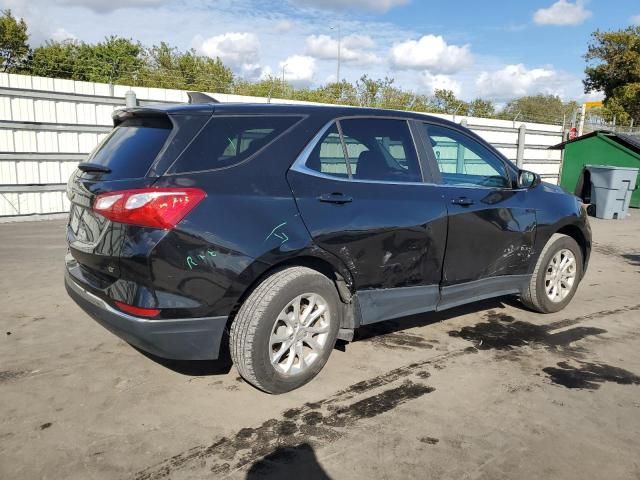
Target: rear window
point(228, 141)
point(131, 147)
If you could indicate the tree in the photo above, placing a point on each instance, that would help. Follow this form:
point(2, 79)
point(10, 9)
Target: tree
point(445, 101)
point(481, 108)
point(613, 67)
point(114, 60)
point(167, 67)
point(14, 47)
point(538, 108)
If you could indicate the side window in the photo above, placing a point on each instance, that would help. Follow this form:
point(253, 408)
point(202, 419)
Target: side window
point(328, 157)
point(463, 161)
point(380, 149)
point(227, 141)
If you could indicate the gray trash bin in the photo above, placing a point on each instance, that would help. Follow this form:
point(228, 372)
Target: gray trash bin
point(611, 189)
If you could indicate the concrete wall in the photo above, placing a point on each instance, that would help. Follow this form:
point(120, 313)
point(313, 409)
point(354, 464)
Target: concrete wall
point(48, 125)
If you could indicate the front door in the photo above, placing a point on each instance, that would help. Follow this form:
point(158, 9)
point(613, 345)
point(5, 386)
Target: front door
point(361, 195)
point(491, 226)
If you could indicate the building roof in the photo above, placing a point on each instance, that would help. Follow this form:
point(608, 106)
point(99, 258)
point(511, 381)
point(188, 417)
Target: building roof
point(632, 142)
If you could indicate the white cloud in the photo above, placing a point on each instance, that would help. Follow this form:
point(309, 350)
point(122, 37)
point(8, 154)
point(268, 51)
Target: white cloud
point(299, 69)
point(353, 48)
point(379, 6)
point(562, 12)
point(239, 50)
point(516, 81)
point(431, 53)
point(440, 82)
point(635, 20)
point(111, 5)
point(60, 35)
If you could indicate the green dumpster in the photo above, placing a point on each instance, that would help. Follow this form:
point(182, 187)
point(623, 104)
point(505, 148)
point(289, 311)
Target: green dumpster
point(597, 148)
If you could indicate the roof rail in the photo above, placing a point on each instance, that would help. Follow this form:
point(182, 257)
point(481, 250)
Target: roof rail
point(199, 97)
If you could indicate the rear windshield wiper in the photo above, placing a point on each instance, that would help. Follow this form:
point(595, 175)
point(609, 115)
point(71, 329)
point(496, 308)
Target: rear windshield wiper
point(93, 167)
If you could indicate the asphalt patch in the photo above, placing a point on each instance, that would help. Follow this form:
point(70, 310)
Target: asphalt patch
point(8, 375)
point(589, 376)
point(388, 335)
point(315, 423)
point(504, 332)
point(429, 440)
point(632, 258)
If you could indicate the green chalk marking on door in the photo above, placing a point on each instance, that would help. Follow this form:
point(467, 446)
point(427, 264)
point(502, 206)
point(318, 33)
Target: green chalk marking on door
point(280, 235)
point(191, 263)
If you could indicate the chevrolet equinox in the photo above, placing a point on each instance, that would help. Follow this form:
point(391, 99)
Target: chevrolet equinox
point(280, 228)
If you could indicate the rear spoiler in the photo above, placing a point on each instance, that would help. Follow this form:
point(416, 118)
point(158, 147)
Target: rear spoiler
point(202, 104)
point(198, 97)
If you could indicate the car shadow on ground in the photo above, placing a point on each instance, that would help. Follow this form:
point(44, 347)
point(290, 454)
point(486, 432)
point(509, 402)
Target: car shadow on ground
point(400, 324)
point(197, 368)
point(222, 366)
point(631, 258)
point(289, 462)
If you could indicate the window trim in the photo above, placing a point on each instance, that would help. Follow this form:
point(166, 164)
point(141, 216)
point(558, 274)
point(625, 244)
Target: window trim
point(300, 117)
point(508, 166)
point(300, 163)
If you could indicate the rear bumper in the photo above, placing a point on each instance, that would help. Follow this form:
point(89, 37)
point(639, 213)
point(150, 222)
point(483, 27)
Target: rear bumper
point(176, 339)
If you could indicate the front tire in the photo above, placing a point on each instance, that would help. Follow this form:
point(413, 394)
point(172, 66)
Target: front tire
point(285, 330)
point(556, 277)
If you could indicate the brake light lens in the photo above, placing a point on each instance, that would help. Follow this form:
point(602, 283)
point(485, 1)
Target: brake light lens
point(148, 207)
point(138, 311)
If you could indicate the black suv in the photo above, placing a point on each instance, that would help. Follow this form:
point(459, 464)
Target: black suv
point(288, 227)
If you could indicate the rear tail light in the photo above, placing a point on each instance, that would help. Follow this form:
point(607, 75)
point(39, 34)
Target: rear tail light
point(138, 311)
point(148, 207)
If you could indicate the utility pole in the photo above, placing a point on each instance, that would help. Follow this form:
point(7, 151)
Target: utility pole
point(283, 67)
point(339, 50)
point(583, 113)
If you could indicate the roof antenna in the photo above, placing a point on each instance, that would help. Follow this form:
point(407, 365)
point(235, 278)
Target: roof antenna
point(199, 97)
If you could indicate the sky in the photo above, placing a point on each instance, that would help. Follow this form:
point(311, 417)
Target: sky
point(496, 50)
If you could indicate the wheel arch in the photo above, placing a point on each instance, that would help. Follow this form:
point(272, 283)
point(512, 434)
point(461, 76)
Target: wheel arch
point(578, 235)
point(340, 277)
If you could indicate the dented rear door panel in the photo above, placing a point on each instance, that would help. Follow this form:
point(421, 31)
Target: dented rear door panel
point(389, 235)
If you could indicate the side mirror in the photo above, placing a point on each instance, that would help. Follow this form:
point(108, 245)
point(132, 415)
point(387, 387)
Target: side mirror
point(527, 179)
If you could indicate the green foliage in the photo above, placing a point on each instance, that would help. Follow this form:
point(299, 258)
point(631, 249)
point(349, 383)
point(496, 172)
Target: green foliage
point(539, 108)
point(445, 101)
point(481, 108)
point(115, 60)
point(164, 66)
point(613, 67)
point(14, 46)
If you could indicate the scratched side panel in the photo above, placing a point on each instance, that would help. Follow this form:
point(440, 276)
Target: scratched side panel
point(494, 236)
point(389, 236)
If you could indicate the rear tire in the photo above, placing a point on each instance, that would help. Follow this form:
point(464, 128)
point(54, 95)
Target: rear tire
point(285, 330)
point(556, 277)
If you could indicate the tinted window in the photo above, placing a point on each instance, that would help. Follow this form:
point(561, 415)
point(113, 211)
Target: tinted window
point(380, 149)
point(131, 147)
point(227, 141)
point(328, 157)
point(463, 161)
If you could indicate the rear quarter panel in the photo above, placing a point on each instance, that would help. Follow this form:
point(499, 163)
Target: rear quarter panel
point(248, 223)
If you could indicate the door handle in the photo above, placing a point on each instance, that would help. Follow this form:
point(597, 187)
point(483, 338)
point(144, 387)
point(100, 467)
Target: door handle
point(335, 197)
point(462, 201)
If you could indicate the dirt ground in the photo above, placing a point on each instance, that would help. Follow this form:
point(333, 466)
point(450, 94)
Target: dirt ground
point(485, 391)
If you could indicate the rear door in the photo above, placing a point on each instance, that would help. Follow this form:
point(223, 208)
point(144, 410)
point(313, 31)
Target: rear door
point(491, 224)
point(359, 189)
